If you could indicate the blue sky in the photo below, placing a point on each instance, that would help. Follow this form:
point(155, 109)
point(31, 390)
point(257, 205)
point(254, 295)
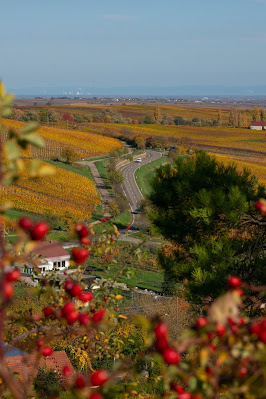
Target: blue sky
point(109, 43)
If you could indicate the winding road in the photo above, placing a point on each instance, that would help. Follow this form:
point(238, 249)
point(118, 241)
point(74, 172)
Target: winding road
point(129, 185)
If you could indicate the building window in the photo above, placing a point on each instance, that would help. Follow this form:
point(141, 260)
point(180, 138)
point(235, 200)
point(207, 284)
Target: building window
point(58, 264)
point(54, 265)
point(63, 263)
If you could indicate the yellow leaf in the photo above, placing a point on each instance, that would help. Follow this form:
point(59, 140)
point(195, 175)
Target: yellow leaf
point(222, 358)
point(119, 296)
point(44, 171)
point(121, 316)
point(2, 90)
point(204, 357)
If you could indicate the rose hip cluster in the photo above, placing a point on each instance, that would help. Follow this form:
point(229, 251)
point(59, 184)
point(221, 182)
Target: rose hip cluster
point(261, 206)
point(170, 355)
point(96, 379)
point(8, 289)
point(69, 311)
point(36, 231)
point(79, 255)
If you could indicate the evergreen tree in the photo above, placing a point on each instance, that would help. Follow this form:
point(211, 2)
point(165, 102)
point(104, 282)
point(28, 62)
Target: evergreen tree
point(204, 209)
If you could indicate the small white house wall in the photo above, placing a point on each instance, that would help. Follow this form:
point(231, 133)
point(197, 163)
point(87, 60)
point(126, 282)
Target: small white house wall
point(50, 263)
point(257, 127)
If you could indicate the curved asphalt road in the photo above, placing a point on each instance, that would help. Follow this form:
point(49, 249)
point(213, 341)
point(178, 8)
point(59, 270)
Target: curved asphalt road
point(129, 185)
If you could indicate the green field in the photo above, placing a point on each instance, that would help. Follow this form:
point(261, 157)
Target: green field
point(145, 174)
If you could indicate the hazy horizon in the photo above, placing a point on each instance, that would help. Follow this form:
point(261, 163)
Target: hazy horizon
point(133, 44)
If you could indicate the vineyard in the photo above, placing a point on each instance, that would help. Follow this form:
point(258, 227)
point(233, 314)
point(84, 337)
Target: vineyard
point(84, 143)
point(66, 195)
point(255, 165)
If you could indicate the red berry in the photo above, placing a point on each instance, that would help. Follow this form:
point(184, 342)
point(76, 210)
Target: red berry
point(161, 330)
point(105, 298)
point(263, 209)
point(220, 330)
point(255, 329)
point(84, 319)
point(262, 336)
point(99, 377)
point(95, 395)
point(80, 382)
point(82, 230)
point(115, 309)
point(12, 276)
point(176, 387)
point(161, 344)
point(185, 395)
point(40, 343)
point(196, 396)
point(201, 322)
point(263, 325)
point(128, 227)
point(72, 317)
point(258, 205)
point(97, 317)
point(66, 371)
point(68, 308)
point(242, 372)
point(8, 290)
point(85, 296)
point(48, 311)
point(25, 223)
point(234, 328)
point(47, 351)
point(171, 356)
point(75, 290)
point(234, 282)
point(68, 285)
point(80, 254)
point(208, 370)
point(85, 241)
point(39, 231)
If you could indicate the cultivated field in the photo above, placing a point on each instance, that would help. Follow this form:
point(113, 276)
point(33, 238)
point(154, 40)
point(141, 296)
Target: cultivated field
point(84, 143)
point(66, 195)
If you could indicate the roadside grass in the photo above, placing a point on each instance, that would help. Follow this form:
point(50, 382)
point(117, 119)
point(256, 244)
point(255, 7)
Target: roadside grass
point(101, 167)
point(145, 174)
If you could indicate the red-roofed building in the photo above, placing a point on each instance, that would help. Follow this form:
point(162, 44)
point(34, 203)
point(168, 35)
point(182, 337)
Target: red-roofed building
point(26, 367)
point(258, 126)
point(48, 255)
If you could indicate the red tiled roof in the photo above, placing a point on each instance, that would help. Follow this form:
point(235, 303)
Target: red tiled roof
point(50, 249)
point(258, 124)
point(26, 367)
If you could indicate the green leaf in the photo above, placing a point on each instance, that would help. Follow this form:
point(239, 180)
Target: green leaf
point(12, 150)
point(6, 112)
point(35, 140)
point(8, 99)
point(29, 128)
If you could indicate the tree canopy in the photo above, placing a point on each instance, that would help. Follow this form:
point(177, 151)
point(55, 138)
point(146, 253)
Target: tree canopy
point(206, 210)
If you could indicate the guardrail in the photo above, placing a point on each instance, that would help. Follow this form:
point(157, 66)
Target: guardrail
point(120, 164)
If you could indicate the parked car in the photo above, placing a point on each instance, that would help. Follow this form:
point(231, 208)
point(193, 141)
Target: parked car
point(138, 160)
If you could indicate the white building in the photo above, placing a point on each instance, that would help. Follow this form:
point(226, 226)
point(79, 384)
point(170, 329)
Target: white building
point(258, 126)
point(48, 255)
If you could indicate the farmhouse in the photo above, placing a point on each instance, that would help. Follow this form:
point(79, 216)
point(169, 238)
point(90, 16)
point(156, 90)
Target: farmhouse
point(49, 255)
point(258, 126)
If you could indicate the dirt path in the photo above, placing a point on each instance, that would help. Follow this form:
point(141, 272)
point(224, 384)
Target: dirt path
point(104, 193)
